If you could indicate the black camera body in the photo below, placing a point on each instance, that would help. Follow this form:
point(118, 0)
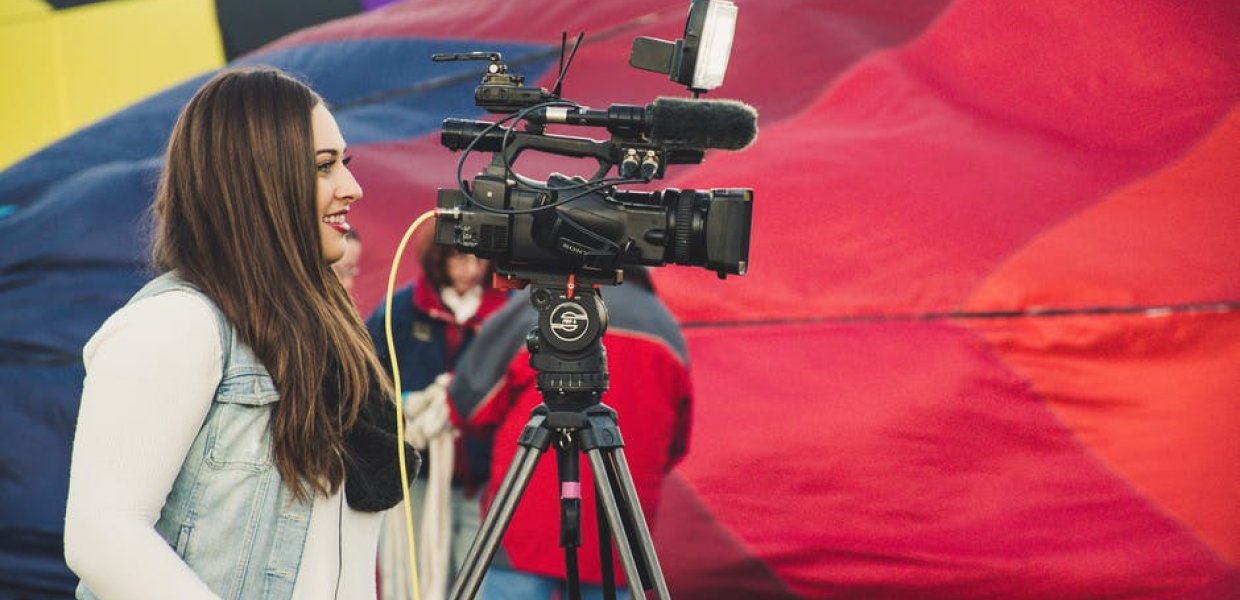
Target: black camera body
point(589, 228)
point(601, 231)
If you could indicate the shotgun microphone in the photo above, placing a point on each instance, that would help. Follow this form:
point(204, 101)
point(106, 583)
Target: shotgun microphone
point(669, 122)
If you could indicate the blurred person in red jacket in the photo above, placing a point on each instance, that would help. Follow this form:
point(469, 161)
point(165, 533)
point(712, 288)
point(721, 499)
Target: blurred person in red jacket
point(650, 389)
point(433, 321)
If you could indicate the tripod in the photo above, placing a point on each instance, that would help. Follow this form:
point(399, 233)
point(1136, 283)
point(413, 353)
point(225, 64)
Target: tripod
point(567, 352)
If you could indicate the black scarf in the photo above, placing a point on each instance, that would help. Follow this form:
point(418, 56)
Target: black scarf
point(372, 466)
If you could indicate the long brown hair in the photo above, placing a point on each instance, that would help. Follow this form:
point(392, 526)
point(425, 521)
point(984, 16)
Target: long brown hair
point(235, 215)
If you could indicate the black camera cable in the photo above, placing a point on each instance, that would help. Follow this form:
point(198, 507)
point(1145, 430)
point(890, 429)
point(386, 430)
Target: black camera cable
point(586, 187)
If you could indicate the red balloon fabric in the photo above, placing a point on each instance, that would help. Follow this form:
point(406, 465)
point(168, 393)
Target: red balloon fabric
point(987, 345)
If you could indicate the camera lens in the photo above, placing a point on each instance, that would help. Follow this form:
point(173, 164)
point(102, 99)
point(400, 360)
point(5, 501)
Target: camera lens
point(710, 229)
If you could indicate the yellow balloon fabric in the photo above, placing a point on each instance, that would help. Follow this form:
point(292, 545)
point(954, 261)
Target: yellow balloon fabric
point(73, 66)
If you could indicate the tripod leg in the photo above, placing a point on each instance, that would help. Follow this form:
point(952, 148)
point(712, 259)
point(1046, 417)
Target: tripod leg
point(620, 470)
point(604, 550)
point(602, 486)
point(496, 521)
point(570, 513)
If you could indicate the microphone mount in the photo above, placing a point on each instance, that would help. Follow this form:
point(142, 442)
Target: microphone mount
point(500, 91)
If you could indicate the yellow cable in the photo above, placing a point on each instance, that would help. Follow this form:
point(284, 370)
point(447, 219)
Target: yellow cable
point(400, 413)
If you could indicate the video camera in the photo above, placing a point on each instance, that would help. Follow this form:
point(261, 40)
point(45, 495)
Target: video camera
point(588, 228)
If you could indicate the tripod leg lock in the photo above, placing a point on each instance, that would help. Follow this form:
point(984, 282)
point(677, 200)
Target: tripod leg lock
point(535, 434)
point(602, 431)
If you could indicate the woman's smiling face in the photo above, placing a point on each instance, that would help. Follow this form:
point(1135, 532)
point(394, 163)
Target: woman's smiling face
point(336, 187)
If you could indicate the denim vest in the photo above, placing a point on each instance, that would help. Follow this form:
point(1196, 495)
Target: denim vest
point(229, 515)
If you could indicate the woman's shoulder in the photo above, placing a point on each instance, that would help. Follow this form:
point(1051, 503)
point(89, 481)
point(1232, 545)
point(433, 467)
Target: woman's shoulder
point(173, 303)
point(180, 319)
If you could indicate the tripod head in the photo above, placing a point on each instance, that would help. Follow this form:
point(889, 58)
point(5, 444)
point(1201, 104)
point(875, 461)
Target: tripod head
point(566, 347)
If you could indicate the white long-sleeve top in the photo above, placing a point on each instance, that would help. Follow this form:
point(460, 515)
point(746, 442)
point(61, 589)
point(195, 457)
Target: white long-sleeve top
point(132, 436)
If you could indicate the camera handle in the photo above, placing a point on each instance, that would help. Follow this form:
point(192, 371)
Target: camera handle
point(567, 352)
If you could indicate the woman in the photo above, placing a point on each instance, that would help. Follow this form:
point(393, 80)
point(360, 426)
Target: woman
point(236, 436)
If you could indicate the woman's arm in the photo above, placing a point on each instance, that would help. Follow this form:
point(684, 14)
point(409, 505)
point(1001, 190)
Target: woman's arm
point(151, 375)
